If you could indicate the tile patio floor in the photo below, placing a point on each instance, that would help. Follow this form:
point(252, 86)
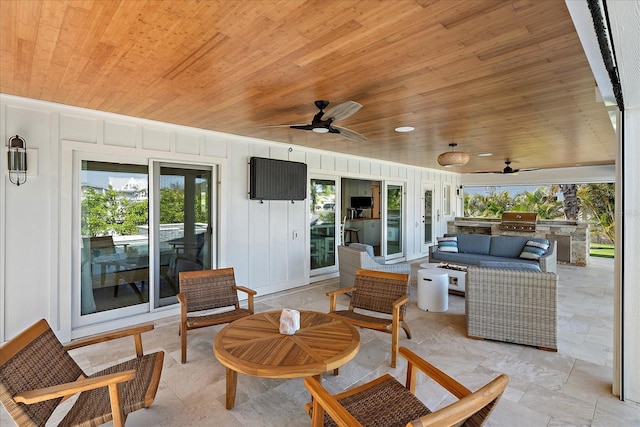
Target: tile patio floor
point(569, 388)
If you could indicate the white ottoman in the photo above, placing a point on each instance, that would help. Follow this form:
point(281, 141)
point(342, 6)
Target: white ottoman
point(433, 292)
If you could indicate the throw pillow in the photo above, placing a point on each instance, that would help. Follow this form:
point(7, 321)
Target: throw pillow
point(448, 244)
point(534, 250)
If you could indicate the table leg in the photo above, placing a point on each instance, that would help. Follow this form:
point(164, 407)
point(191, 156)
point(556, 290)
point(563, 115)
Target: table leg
point(232, 383)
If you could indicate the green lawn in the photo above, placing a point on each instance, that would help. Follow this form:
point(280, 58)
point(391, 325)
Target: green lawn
point(601, 250)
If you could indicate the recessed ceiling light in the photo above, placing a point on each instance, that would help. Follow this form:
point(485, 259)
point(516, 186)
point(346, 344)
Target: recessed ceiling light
point(485, 154)
point(405, 129)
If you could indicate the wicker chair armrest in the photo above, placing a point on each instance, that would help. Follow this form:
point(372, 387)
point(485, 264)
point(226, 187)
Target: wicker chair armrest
point(465, 407)
point(400, 301)
point(341, 291)
point(68, 389)
point(334, 294)
point(135, 331)
point(250, 294)
point(322, 401)
point(245, 290)
point(415, 361)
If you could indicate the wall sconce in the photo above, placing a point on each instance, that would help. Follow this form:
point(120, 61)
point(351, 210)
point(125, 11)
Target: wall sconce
point(17, 160)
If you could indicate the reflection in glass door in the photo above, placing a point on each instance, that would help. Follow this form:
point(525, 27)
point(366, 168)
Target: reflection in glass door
point(114, 217)
point(427, 216)
point(395, 220)
point(184, 227)
point(322, 220)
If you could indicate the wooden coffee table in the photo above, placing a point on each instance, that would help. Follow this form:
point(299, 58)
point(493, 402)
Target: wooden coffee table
point(254, 346)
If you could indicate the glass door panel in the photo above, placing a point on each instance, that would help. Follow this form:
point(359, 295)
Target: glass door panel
point(184, 227)
point(114, 217)
point(427, 216)
point(394, 220)
point(322, 215)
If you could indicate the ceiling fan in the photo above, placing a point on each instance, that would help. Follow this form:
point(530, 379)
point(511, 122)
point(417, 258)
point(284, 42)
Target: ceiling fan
point(323, 122)
point(509, 170)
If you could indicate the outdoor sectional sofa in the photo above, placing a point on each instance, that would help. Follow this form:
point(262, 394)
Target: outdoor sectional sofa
point(494, 251)
point(510, 305)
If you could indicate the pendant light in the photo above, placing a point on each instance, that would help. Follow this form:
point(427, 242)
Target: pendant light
point(453, 158)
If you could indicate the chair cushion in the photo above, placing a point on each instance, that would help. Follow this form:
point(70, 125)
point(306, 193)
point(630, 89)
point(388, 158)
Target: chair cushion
point(507, 246)
point(362, 247)
point(448, 244)
point(384, 403)
point(474, 243)
point(534, 250)
point(511, 265)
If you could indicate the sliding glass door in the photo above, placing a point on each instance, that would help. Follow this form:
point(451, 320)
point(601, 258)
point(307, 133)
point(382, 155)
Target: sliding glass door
point(114, 217)
point(136, 238)
point(426, 212)
point(322, 223)
point(183, 226)
point(394, 220)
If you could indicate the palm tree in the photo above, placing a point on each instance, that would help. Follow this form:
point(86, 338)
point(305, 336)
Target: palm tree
point(541, 201)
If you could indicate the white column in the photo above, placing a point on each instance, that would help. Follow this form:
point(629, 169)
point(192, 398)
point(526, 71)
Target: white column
point(627, 314)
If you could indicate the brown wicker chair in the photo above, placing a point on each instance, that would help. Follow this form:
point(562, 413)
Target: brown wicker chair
point(386, 402)
point(37, 374)
point(380, 292)
point(205, 290)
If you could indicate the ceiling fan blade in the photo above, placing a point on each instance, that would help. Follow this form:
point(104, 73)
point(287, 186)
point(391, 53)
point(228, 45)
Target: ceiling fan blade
point(284, 126)
point(342, 111)
point(350, 134)
point(303, 127)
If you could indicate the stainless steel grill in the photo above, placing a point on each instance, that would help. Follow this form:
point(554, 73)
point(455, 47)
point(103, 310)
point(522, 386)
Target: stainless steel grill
point(519, 221)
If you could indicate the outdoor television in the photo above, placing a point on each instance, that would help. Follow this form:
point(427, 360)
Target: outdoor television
point(271, 179)
point(361, 202)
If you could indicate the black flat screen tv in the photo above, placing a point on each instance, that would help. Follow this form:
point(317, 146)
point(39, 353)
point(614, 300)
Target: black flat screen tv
point(272, 179)
point(361, 202)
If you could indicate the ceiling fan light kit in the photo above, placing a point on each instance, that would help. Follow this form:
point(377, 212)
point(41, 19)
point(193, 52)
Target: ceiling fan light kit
point(453, 158)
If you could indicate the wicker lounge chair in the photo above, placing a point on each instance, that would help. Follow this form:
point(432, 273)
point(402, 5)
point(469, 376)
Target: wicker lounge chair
point(37, 374)
point(380, 292)
point(360, 256)
point(204, 290)
point(386, 402)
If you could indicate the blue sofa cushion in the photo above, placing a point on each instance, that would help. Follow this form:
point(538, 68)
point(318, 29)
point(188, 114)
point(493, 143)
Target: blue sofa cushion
point(534, 250)
point(362, 248)
point(476, 244)
point(474, 259)
point(512, 265)
point(511, 246)
point(448, 244)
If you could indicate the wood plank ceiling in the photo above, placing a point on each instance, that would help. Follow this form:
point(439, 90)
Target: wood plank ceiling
point(505, 77)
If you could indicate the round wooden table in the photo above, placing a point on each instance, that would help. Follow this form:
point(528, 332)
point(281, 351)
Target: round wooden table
point(254, 346)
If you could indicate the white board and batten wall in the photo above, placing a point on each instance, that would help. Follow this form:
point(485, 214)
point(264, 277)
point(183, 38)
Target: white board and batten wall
point(257, 239)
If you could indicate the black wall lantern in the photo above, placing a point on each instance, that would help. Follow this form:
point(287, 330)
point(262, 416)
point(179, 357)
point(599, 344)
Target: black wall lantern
point(17, 160)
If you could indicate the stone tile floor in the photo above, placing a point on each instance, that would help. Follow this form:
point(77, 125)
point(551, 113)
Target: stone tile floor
point(569, 388)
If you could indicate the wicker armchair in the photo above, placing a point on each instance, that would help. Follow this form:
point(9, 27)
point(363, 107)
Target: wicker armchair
point(381, 292)
point(515, 306)
point(386, 402)
point(205, 290)
point(37, 374)
point(360, 256)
